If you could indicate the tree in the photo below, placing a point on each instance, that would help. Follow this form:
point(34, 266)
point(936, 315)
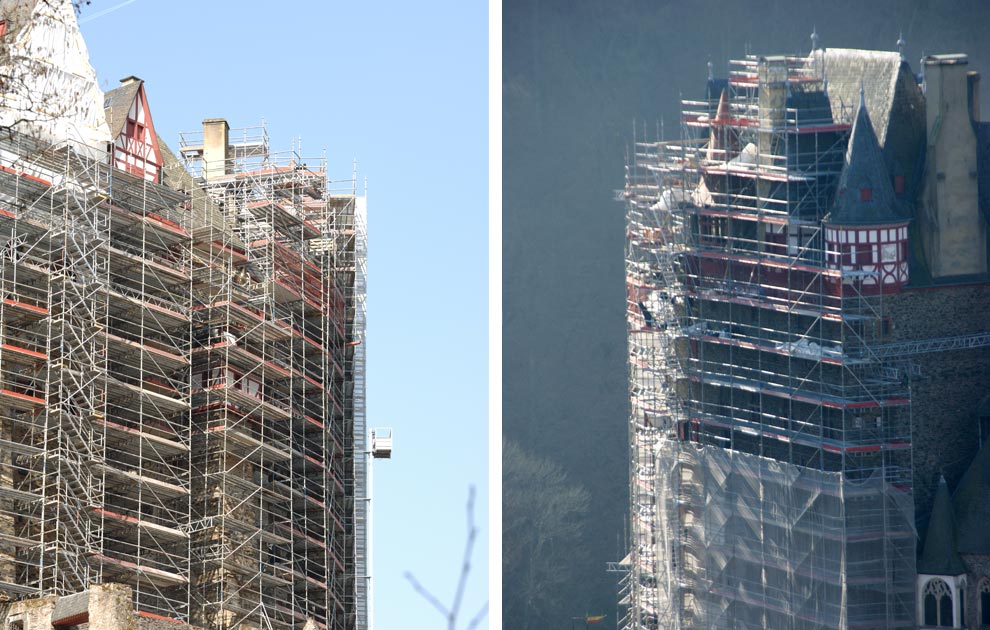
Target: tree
point(542, 522)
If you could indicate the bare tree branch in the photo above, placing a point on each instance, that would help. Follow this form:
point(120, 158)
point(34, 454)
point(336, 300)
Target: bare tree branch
point(466, 564)
point(451, 615)
point(478, 617)
point(427, 595)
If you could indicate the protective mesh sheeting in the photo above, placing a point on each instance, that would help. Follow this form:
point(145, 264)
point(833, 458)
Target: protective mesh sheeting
point(765, 544)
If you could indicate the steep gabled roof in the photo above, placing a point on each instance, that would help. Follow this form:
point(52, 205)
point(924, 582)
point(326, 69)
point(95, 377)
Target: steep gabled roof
point(972, 505)
point(812, 107)
point(117, 102)
point(893, 98)
point(848, 70)
point(939, 555)
point(136, 147)
point(864, 170)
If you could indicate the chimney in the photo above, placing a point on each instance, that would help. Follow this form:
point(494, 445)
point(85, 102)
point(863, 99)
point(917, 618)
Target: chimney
point(954, 230)
point(772, 74)
point(216, 144)
point(947, 87)
point(129, 80)
point(973, 92)
point(772, 101)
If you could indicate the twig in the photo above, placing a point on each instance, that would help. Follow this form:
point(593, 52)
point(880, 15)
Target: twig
point(478, 617)
point(451, 615)
point(428, 596)
point(466, 564)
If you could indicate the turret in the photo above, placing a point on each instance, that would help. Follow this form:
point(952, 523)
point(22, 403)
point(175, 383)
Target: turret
point(865, 236)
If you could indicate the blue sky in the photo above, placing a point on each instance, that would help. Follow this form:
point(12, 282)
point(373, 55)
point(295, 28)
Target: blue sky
point(402, 88)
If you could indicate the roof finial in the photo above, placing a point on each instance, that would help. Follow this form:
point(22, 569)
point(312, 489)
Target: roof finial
point(900, 45)
point(862, 95)
point(814, 39)
point(711, 70)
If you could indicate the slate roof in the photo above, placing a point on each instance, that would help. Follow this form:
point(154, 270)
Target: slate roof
point(893, 98)
point(972, 505)
point(846, 70)
point(982, 130)
point(813, 108)
point(939, 555)
point(983, 409)
point(864, 169)
point(117, 102)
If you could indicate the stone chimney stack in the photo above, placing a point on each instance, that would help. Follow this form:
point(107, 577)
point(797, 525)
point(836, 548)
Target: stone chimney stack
point(973, 92)
point(216, 148)
point(772, 74)
point(955, 233)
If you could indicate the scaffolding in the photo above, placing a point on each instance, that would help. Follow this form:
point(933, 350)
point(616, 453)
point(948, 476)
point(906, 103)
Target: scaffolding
point(770, 464)
point(181, 378)
point(272, 529)
point(94, 322)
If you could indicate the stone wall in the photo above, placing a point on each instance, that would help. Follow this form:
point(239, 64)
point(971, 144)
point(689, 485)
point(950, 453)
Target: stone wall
point(105, 606)
point(977, 568)
point(950, 384)
point(31, 614)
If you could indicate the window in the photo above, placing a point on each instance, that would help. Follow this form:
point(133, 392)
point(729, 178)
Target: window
point(938, 604)
point(886, 326)
point(866, 194)
point(984, 603)
point(899, 184)
point(713, 230)
point(3, 27)
point(888, 252)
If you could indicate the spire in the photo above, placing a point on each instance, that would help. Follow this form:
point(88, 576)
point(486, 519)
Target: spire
point(722, 113)
point(711, 71)
point(719, 139)
point(900, 46)
point(864, 195)
point(972, 503)
point(814, 39)
point(939, 555)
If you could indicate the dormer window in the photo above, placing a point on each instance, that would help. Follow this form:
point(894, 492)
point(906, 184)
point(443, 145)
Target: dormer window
point(3, 27)
point(866, 194)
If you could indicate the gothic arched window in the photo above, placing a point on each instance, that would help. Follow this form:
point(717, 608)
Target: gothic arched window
point(983, 602)
point(938, 604)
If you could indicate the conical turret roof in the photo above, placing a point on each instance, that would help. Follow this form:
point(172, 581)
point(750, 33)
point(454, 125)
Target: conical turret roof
point(864, 194)
point(939, 555)
point(720, 138)
point(972, 503)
